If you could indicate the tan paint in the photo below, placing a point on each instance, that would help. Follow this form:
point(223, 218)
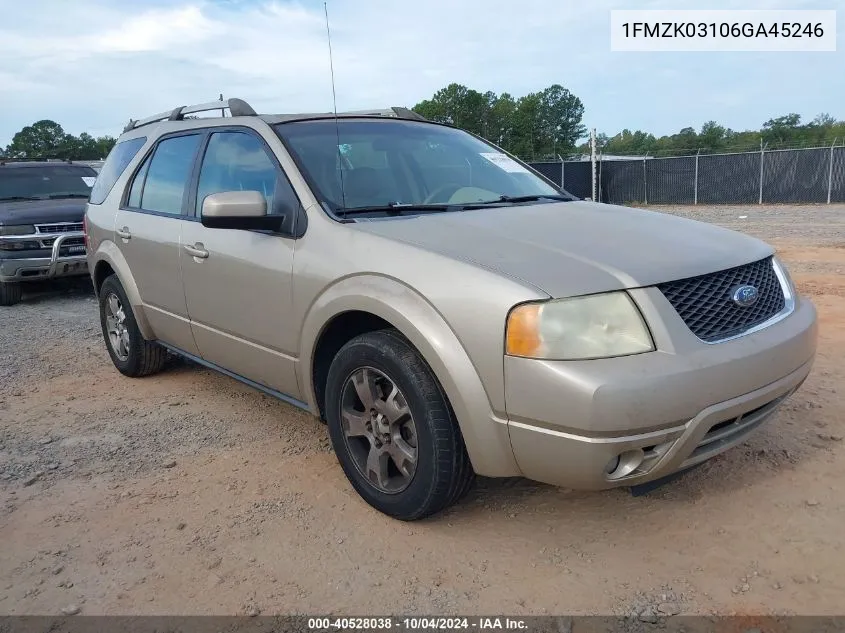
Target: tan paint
point(259, 303)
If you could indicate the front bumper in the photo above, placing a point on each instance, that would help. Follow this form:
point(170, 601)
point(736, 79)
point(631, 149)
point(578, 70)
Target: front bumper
point(16, 269)
point(659, 412)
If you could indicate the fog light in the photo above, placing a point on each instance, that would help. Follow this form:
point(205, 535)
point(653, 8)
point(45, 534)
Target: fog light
point(612, 465)
point(626, 463)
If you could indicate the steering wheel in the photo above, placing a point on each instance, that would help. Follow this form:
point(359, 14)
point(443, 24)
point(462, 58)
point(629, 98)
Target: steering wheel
point(451, 187)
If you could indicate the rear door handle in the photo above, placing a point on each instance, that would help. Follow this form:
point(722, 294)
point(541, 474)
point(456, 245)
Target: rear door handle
point(124, 233)
point(196, 250)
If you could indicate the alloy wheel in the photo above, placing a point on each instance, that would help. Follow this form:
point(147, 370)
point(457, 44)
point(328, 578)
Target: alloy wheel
point(116, 327)
point(379, 429)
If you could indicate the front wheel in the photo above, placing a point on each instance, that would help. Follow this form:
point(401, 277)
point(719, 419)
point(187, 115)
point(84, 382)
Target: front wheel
point(130, 352)
point(392, 428)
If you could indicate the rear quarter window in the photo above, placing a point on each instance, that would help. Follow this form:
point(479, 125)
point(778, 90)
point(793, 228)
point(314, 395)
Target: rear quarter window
point(116, 162)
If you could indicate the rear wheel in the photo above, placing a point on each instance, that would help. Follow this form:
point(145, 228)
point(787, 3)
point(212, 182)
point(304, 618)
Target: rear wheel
point(10, 293)
point(392, 428)
point(130, 352)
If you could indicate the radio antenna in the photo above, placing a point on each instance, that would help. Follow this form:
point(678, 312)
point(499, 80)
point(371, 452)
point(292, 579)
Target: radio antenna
point(334, 105)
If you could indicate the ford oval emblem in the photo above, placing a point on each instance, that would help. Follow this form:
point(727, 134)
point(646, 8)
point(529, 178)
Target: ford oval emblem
point(745, 296)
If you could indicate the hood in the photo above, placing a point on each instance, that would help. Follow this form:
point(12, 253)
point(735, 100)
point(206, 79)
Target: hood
point(42, 211)
point(573, 248)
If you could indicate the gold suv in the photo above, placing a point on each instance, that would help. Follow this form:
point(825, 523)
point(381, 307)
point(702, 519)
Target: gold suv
point(446, 309)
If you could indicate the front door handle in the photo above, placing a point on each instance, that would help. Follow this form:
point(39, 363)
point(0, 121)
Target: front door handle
point(124, 233)
point(196, 250)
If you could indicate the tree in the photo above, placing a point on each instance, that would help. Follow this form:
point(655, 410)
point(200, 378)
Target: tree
point(560, 119)
point(501, 119)
point(527, 127)
point(42, 139)
point(782, 129)
point(104, 146)
point(47, 139)
point(713, 135)
point(457, 105)
point(536, 124)
point(823, 120)
point(86, 147)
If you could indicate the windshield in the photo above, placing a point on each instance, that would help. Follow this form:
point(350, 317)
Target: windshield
point(46, 181)
point(389, 162)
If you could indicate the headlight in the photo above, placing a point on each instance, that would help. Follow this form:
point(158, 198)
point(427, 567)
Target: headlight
point(595, 326)
point(18, 229)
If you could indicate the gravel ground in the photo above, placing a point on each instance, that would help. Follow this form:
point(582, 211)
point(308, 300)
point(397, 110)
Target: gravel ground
point(187, 492)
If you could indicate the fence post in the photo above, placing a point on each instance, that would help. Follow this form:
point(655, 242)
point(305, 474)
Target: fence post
point(601, 162)
point(830, 171)
point(760, 201)
point(695, 193)
point(645, 181)
point(560, 158)
point(593, 163)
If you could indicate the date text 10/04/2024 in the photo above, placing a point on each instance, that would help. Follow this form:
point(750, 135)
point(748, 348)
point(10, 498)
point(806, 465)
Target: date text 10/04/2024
point(416, 623)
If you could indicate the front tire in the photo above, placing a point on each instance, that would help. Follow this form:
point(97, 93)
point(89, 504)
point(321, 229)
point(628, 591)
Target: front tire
point(130, 352)
point(392, 428)
point(10, 293)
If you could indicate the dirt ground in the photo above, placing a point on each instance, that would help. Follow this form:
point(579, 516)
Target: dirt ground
point(188, 493)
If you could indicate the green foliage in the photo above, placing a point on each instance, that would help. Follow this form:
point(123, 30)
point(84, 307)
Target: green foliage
point(778, 133)
point(538, 124)
point(47, 139)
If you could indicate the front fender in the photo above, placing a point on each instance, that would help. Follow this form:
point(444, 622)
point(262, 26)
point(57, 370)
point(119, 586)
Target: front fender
point(485, 435)
point(108, 252)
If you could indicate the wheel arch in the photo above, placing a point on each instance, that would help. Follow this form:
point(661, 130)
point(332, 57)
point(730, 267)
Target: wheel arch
point(366, 303)
point(108, 259)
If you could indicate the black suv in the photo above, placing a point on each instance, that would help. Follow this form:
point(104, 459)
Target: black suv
point(42, 204)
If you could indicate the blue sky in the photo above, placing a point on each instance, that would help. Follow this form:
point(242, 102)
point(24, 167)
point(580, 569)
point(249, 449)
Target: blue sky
point(93, 64)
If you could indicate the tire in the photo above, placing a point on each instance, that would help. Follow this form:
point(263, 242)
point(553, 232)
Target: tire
point(441, 473)
point(135, 357)
point(10, 293)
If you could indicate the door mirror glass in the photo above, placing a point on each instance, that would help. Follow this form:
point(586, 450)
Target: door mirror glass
point(245, 210)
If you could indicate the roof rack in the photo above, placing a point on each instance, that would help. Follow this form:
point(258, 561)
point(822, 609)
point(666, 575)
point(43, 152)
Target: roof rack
point(236, 107)
point(395, 112)
point(406, 113)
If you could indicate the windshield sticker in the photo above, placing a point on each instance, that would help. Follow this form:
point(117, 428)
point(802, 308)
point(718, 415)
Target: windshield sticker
point(504, 162)
point(88, 180)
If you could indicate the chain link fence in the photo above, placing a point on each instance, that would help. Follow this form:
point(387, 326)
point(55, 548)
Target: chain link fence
point(815, 175)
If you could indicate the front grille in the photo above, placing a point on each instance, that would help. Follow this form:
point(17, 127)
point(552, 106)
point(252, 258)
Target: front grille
point(706, 306)
point(72, 246)
point(59, 227)
point(71, 241)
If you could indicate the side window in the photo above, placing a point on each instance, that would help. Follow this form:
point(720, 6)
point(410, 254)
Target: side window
point(134, 199)
point(116, 162)
point(235, 161)
point(168, 174)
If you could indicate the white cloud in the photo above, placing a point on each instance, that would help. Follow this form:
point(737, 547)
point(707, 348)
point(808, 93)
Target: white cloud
point(157, 31)
point(93, 64)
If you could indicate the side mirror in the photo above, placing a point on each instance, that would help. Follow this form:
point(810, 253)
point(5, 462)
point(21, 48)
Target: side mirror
point(244, 210)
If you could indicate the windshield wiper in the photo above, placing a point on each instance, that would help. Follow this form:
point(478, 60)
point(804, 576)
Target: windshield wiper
point(70, 194)
point(395, 208)
point(506, 198)
point(9, 198)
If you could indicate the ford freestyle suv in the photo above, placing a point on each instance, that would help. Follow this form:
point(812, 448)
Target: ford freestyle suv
point(41, 209)
point(442, 306)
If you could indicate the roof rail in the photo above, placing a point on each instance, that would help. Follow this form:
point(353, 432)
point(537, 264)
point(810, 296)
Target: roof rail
point(236, 107)
point(395, 112)
point(406, 113)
